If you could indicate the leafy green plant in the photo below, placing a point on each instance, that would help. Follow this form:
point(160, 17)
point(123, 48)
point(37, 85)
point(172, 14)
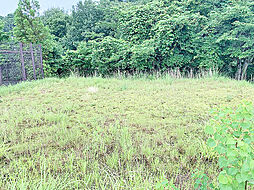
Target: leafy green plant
point(202, 181)
point(232, 137)
point(166, 185)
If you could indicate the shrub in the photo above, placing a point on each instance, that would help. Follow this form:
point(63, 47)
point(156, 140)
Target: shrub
point(79, 60)
point(110, 55)
point(143, 57)
point(232, 138)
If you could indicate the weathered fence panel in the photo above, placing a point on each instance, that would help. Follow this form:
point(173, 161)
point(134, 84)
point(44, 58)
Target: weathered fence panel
point(20, 62)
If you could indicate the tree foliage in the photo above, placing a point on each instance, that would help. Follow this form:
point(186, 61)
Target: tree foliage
point(142, 35)
point(29, 27)
point(57, 21)
point(83, 27)
point(234, 29)
point(9, 23)
point(3, 35)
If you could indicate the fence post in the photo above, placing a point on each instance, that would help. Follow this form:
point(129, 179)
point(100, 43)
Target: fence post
point(42, 72)
point(32, 55)
point(22, 61)
point(1, 78)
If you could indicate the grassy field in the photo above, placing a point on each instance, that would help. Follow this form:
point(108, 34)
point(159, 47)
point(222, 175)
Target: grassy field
point(94, 133)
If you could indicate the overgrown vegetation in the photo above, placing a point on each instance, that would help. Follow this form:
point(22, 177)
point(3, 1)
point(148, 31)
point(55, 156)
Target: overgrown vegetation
point(3, 35)
point(94, 133)
point(232, 137)
point(231, 131)
point(106, 37)
point(145, 131)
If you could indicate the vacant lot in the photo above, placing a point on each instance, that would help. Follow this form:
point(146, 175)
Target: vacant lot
point(98, 133)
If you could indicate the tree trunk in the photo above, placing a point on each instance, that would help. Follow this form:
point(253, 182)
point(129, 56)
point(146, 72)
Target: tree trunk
point(242, 66)
point(239, 70)
point(245, 66)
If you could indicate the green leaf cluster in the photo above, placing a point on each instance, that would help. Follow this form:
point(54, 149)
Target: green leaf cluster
point(28, 25)
point(232, 137)
point(3, 35)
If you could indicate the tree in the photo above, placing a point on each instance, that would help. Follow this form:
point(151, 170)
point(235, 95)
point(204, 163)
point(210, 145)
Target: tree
point(29, 27)
point(3, 35)
point(83, 27)
point(9, 23)
point(233, 30)
point(107, 25)
point(136, 21)
point(151, 34)
point(57, 21)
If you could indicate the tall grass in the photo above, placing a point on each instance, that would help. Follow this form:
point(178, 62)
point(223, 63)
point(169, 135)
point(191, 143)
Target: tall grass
point(129, 134)
point(170, 73)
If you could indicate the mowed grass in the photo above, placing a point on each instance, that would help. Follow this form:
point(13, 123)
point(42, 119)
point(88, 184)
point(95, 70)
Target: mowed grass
point(94, 133)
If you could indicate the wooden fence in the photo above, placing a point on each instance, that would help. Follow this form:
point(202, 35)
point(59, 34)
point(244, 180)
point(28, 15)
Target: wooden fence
point(20, 62)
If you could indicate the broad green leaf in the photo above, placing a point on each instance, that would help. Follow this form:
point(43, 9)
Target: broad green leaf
point(221, 149)
point(240, 144)
point(245, 125)
point(239, 178)
point(211, 143)
point(223, 179)
point(222, 162)
point(217, 137)
point(231, 141)
point(225, 187)
point(245, 176)
point(232, 171)
point(247, 140)
point(232, 153)
point(252, 164)
point(246, 166)
point(209, 130)
point(234, 125)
